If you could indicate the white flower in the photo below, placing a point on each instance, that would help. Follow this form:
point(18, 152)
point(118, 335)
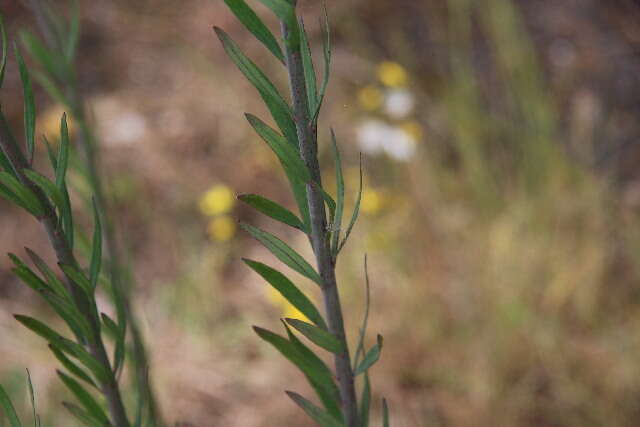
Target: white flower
point(371, 135)
point(399, 103)
point(400, 145)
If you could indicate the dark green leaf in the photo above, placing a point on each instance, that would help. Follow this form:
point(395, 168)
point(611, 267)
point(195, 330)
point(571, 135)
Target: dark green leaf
point(3, 61)
point(67, 216)
point(4, 161)
point(32, 395)
point(284, 253)
point(9, 410)
point(318, 336)
point(82, 415)
point(63, 152)
point(29, 106)
point(289, 291)
point(254, 24)
point(52, 156)
point(52, 280)
point(356, 211)
point(48, 187)
point(79, 279)
point(70, 366)
point(317, 414)
point(337, 221)
point(288, 155)
point(370, 358)
point(272, 209)
point(84, 397)
point(285, 12)
point(299, 190)
point(365, 405)
point(28, 200)
point(96, 252)
point(309, 71)
point(278, 107)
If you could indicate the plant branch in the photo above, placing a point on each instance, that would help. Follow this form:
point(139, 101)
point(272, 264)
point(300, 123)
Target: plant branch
point(307, 137)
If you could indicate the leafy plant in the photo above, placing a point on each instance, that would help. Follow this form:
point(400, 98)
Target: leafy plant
point(321, 217)
point(72, 295)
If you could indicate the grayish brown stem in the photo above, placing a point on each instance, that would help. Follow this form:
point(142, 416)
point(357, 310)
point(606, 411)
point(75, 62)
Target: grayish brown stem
point(307, 138)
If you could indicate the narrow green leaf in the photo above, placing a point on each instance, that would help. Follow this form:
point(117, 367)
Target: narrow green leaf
point(385, 414)
point(10, 196)
point(48, 187)
point(9, 410)
point(92, 407)
point(284, 253)
point(289, 291)
point(4, 160)
point(28, 200)
point(116, 333)
point(50, 277)
point(365, 405)
point(370, 358)
point(3, 61)
point(356, 211)
point(30, 279)
point(288, 155)
point(318, 336)
point(63, 152)
point(32, 396)
point(272, 210)
point(67, 217)
point(365, 318)
point(337, 221)
point(71, 315)
point(309, 71)
point(110, 326)
point(50, 153)
point(79, 279)
point(52, 63)
point(285, 12)
point(96, 252)
point(29, 106)
point(249, 19)
point(73, 33)
point(280, 110)
point(51, 87)
point(82, 415)
point(71, 366)
point(317, 414)
point(326, 44)
point(299, 190)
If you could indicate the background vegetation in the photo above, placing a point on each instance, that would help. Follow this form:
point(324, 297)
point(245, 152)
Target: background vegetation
point(500, 213)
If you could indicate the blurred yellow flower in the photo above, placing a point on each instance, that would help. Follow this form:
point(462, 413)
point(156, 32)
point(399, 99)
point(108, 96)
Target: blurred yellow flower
point(413, 129)
point(217, 200)
point(392, 74)
point(371, 202)
point(221, 228)
point(285, 306)
point(370, 98)
point(49, 123)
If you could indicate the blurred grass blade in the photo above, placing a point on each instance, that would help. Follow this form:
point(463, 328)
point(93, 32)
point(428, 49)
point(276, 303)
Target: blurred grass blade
point(86, 400)
point(385, 414)
point(356, 211)
point(52, 64)
point(48, 187)
point(111, 326)
point(289, 291)
point(51, 87)
point(82, 415)
point(284, 253)
point(73, 33)
point(253, 23)
point(288, 154)
point(8, 409)
point(318, 415)
point(272, 210)
point(365, 404)
point(3, 60)
point(318, 336)
point(337, 222)
point(370, 358)
point(309, 71)
point(71, 366)
point(365, 318)
point(32, 396)
point(29, 106)
point(96, 252)
point(27, 199)
point(326, 48)
point(278, 107)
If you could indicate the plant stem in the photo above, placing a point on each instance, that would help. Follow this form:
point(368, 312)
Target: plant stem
point(65, 256)
point(307, 137)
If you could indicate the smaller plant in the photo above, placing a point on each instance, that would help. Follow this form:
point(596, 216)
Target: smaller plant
point(320, 219)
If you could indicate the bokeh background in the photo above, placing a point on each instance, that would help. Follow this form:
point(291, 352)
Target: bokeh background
point(500, 212)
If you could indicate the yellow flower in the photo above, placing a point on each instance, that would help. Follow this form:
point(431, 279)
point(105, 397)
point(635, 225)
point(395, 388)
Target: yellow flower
point(285, 306)
point(371, 202)
point(221, 228)
point(217, 200)
point(370, 98)
point(413, 129)
point(392, 74)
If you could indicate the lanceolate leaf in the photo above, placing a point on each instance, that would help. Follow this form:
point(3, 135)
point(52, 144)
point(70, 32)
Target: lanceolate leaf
point(272, 210)
point(48, 187)
point(82, 415)
point(284, 253)
point(249, 19)
point(288, 155)
point(63, 152)
point(365, 405)
point(317, 414)
point(8, 409)
point(96, 252)
point(278, 107)
point(309, 71)
point(53, 64)
point(32, 395)
point(29, 106)
point(70, 366)
point(86, 400)
point(337, 221)
point(79, 279)
point(289, 291)
point(50, 277)
point(73, 33)
point(318, 336)
point(356, 211)
point(285, 12)
point(28, 200)
point(370, 358)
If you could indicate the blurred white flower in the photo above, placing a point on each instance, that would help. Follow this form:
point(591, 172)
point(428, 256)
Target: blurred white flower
point(400, 145)
point(399, 103)
point(376, 136)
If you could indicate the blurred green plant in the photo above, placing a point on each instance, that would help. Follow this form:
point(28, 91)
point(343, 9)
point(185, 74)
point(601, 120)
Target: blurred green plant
point(10, 411)
point(73, 298)
point(297, 150)
point(55, 54)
